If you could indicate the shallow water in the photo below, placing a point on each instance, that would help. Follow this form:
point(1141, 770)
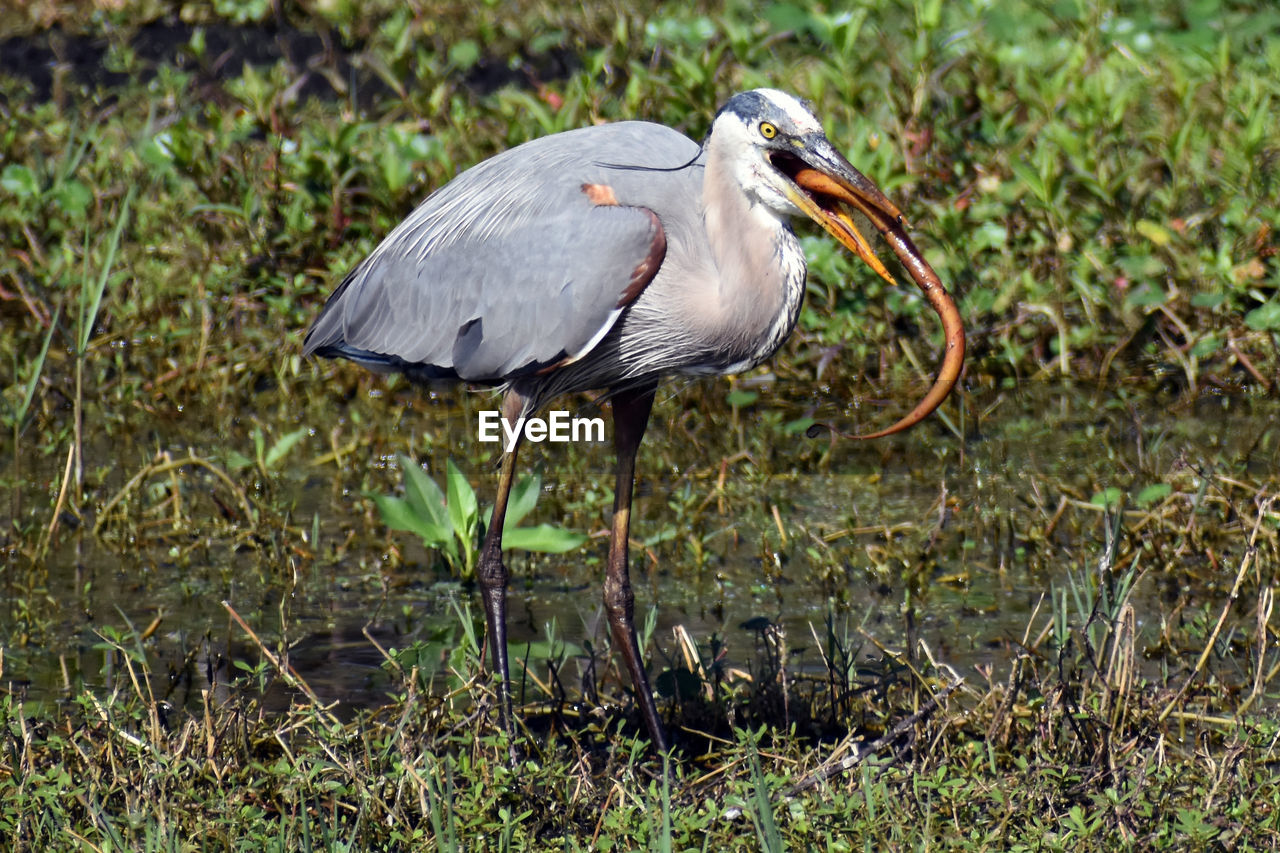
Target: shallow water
point(973, 532)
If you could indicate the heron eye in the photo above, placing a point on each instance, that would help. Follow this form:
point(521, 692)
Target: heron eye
point(767, 130)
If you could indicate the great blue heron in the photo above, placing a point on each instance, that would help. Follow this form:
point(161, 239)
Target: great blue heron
point(606, 258)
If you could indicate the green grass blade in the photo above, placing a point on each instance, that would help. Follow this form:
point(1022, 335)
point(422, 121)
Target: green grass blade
point(37, 367)
point(89, 313)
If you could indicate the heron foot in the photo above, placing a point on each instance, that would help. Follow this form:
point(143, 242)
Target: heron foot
point(492, 575)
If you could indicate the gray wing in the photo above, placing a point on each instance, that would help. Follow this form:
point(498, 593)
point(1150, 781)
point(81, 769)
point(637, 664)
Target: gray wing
point(510, 268)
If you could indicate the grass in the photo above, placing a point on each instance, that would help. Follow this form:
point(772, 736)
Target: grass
point(1095, 183)
point(1071, 748)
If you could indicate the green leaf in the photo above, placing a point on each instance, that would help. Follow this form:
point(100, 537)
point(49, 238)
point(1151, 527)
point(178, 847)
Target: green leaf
point(464, 53)
point(543, 538)
point(1153, 231)
point(1206, 346)
point(798, 426)
point(396, 172)
point(786, 16)
point(1107, 498)
point(73, 197)
point(1208, 300)
point(1154, 493)
point(397, 514)
point(19, 180)
point(237, 460)
point(1264, 318)
point(742, 398)
point(679, 30)
point(284, 445)
point(428, 657)
point(423, 494)
point(1146, 295)
point(989, 235)
point(463, 511)
point(1030, 177)
point(523, 498)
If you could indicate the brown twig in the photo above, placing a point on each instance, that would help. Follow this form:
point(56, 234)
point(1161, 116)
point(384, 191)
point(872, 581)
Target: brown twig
point(164, 464)
point(57, 508)
point(1249, 555)
point(286, 671)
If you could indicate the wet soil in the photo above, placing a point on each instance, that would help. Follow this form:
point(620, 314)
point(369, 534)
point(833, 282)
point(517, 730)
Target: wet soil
point(55, 62)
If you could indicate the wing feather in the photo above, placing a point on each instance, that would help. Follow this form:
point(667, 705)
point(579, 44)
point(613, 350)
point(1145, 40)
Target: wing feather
point(508, 269)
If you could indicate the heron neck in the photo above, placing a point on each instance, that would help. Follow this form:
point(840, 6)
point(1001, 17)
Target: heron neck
point(761, 266)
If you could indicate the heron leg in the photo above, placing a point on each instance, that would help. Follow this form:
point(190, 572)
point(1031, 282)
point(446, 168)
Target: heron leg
point(630, 417)
point(492, 572)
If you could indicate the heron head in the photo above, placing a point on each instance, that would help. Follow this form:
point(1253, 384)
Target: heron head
point(780, 156)
point(750, 131)
point(773, 141)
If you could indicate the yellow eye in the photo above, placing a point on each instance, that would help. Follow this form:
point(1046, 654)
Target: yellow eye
point(767, 130)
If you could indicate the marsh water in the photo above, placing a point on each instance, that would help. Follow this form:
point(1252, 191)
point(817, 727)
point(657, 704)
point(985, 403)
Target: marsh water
point(964, 524)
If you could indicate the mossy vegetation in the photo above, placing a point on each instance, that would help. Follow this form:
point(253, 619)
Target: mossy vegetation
point(1070, 642)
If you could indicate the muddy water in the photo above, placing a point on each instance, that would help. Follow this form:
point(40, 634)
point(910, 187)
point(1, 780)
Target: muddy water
point(959, 528)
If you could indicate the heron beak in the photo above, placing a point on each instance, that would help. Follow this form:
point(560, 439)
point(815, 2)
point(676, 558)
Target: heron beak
point(829, 189)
